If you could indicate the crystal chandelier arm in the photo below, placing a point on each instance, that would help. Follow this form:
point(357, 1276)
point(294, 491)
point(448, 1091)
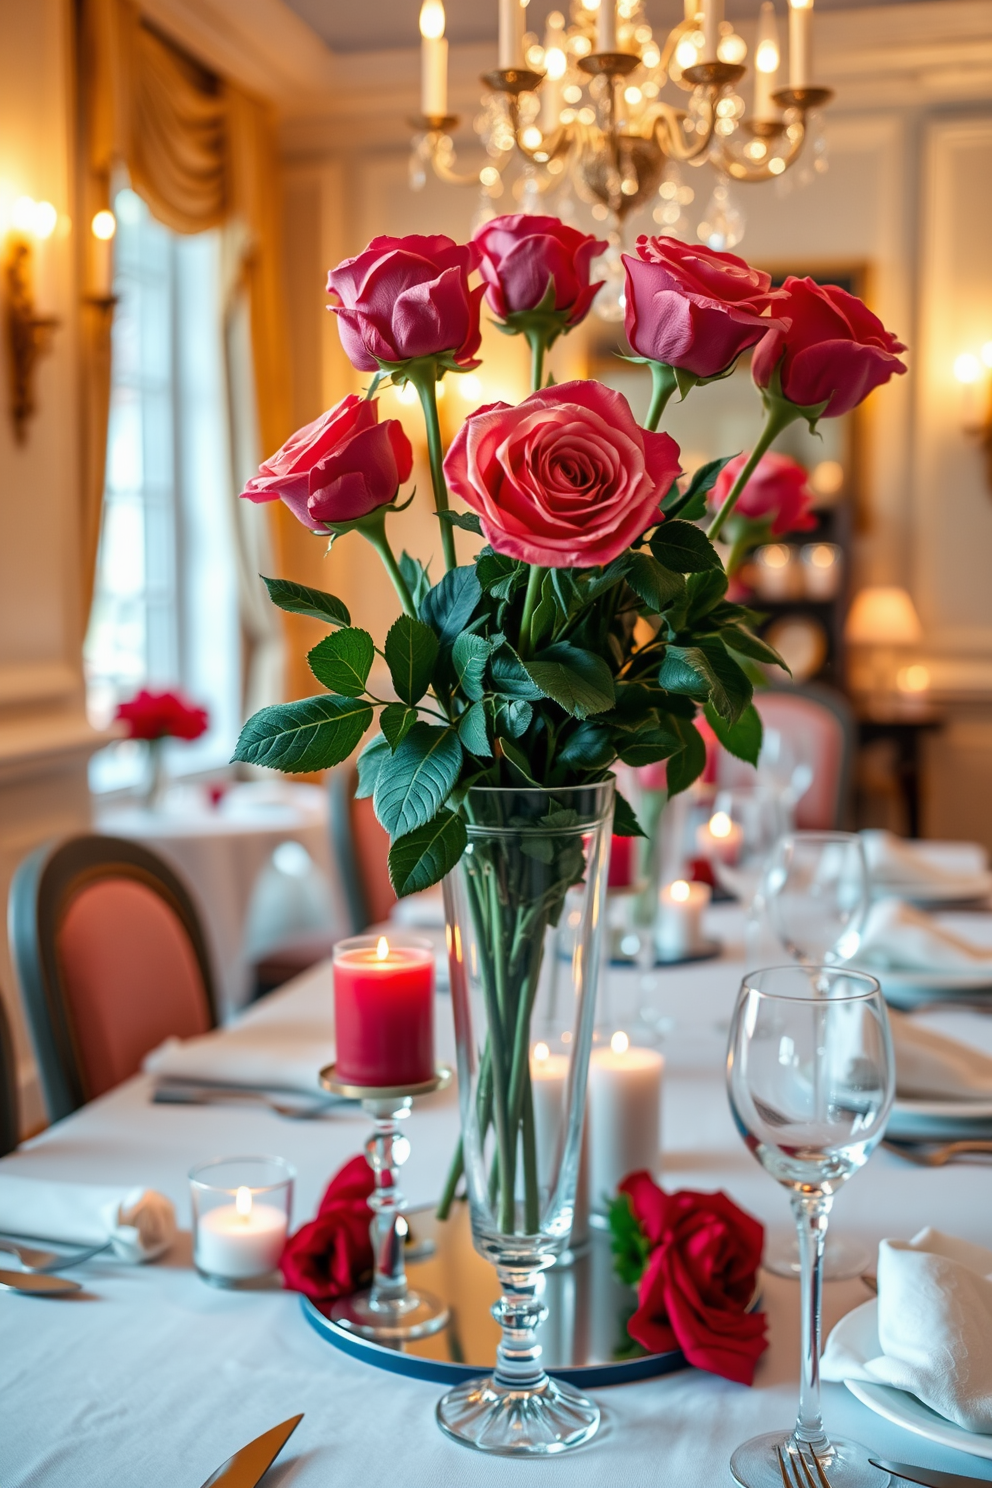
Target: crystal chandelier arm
point(796, 103)
point(436, 147)
point(669, 131)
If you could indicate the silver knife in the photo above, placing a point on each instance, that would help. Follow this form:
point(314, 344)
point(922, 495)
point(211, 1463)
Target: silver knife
point(929, 1476)
point(249, 1466)
point(38, 1283)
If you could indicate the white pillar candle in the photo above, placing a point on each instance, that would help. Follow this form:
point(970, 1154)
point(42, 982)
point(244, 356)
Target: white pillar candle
point(720, 839)
point(549, 1084)
point(767, 57)
point(679, 931)
point(433, 61)
point(606, 26)
point(511, 31)
point(624, 1116)
point(800, 42)
point(240, 1240)
point(712, 16)
point(102, 230)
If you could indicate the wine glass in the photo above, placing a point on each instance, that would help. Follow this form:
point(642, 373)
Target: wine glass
point(744, 824)
point(810, 1077)
point(817, 892)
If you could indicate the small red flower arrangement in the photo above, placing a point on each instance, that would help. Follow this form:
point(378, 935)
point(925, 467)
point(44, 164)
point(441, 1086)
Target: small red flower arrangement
point(162, 715)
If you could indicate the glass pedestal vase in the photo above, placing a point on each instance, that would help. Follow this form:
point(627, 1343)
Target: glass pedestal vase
point(524, 962)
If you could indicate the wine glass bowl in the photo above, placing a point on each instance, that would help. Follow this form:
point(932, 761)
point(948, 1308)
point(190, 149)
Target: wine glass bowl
point(817, 892)
point(744, 824)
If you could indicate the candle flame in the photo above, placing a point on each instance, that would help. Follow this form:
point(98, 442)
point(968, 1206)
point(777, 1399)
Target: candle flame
point(432, 20)
point(680, 890)
point(382, 948)
point(242, 1203)
point(720, 824)
point(104, 225)
point(619, 1043)
point(541, 1052)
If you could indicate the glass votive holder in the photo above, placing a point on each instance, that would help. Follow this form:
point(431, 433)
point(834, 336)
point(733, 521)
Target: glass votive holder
point(241, 1212)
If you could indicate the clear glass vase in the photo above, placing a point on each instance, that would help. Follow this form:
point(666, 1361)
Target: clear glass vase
point(525, 917)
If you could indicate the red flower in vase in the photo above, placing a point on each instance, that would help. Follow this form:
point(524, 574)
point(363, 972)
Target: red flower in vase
point(162, 715)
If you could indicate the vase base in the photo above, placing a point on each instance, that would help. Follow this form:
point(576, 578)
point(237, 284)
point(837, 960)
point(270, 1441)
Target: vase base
point(415, 1315)
point(842, 1463)
point(517, 1422)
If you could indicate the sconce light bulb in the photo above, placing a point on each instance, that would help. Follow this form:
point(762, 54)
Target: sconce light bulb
point(22, 214)
point(104, 225)
point(45, 219)
point(432, 20)
point(967, 367)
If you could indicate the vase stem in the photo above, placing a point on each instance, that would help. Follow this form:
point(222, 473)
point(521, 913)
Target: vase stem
point(519, 1313)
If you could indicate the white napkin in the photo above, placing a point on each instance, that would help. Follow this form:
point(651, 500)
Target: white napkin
point(934, 1328)
point(897, 937)
point(894, 862)
point(930, 1065)
point(255, 1055)
point(139, 1223)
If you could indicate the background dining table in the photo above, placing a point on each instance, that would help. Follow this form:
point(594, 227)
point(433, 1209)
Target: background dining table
point(152, 1377)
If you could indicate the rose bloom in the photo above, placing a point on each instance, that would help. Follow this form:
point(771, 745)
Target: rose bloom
point(776, 492)
point(339, 468)
point(407, 297)
point(162, 715)
point(834, 351)
point(694, 308)
point(567, 479)
point(699, 1278)
point(522, 254)
point(332, 1255)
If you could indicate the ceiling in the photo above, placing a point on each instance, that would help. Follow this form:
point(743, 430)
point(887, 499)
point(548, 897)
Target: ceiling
point(371, 25)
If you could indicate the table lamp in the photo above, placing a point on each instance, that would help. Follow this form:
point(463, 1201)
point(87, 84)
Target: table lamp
point(882, 624)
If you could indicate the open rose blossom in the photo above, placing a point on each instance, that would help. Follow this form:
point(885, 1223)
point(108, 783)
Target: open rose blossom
point(405, 298)
point(699, 1278)
point(694, 308)
point(776, 492)
point(162, 715)
point(341, 467)
point(332, 1255)
point(521, 255)
point(833, 351)
point(566, 479)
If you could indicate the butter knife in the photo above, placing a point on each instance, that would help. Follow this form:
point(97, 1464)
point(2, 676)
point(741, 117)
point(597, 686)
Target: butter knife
point(929, 1476)
point(249, 1466)
point(37, 1283)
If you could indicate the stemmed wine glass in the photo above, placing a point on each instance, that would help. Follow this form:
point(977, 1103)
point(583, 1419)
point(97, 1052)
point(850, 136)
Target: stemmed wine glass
point(810, 1076)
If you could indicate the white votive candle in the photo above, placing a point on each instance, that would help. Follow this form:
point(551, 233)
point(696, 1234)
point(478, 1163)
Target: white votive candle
point(720, 839)
point(624, 1115)
point(549, 1085)
point(679, 932)
point(240, 1240)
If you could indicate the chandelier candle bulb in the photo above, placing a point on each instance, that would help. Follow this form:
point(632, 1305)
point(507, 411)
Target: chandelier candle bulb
point(433, 61)
point(555, 66)
point(102, 230)
point(712, 16)
point(767, 57)
point(624, 1115)
point(800, 42)
point(720, 839)
point(511, 34)
point(606, 26)
point(678, 931)
point(384, 1012)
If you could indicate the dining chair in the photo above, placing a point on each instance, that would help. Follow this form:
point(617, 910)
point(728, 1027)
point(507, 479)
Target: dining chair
point(8, 1087)
point(360, 848)
point(819, 724)
point(112, 959)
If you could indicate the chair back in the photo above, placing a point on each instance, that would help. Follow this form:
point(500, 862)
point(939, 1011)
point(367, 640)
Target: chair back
point(111, 958)
point(8, 1087)
point(360, 848)
point(819, 725)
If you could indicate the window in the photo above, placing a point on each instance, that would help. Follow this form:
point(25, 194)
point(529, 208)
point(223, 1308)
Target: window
point(165, 607)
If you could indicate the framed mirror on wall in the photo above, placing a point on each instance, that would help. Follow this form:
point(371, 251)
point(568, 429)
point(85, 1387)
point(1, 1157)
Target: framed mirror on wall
point(798, 583)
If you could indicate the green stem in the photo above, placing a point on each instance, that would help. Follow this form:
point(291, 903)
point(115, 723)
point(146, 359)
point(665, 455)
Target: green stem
point(779, 416)
point(426, 386)
point(531, 601)
point(741, 547)
point(663, 385)
point(376, 535)
point(538, 343)
point(532, 1197)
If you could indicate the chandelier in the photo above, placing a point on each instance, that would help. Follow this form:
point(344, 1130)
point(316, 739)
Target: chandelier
point(578, 114)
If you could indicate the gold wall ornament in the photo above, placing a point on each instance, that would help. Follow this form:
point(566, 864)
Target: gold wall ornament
point(29, 335)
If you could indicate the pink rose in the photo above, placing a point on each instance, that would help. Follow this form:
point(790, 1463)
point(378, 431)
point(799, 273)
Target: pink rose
point(776, 492)
point(405, 298)
point(694, 308)
point(567, 479)
point(339, 468)
point(834, 350)
point(521, 255)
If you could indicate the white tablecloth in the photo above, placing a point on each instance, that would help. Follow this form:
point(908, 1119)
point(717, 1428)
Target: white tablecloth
point(221, 851)
point(154, 1378)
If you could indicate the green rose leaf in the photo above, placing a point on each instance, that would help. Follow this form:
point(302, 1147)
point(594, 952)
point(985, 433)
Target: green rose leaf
point(467, 521)
point(448, 607)
point(309, 734)
point(499, 575)
point(396, 721)
point(650, 581)
point(731, 689)
point(625, 823)
point(300, 599)
point(510, 678)
point(424, 856)
point(684, 548)
point(470, 655)
point(684, 671)
point(576, 680)
point(588, 747)
point(411, 651)
point(648, 746)
point(370, 762)
point(688, 764)
point(414, 785)
point(415, 576)
point(705, 591)
point(742, 738)
point(739, 638)
point(343, 661)
point(513, 717)
point(473, 733)
point(690, 504)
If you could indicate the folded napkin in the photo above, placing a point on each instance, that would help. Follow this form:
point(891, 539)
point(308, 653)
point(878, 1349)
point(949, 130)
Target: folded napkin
point(897, 937)
point(930, 1065)
point(894, 862)
point(255, 1055)
point(934, 1328)
point(139, 1223)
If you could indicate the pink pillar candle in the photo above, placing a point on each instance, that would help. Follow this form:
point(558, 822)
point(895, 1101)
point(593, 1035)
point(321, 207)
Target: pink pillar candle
point(384, 1011)
point(623, 861)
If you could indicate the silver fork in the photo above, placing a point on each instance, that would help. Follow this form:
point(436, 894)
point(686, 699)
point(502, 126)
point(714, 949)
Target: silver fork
point(49, 1261)
point(795, 1469)
point(935, 1155)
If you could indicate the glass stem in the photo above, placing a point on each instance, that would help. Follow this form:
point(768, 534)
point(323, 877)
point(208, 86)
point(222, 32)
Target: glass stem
point(519, 1313)
point(386, 1150)
point(811, 1211)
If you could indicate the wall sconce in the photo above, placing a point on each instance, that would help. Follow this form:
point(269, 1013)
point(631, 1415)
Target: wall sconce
point(29, 335)
point(973, 371)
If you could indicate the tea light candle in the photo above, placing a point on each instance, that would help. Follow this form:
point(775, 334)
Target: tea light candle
point(624, 1115)
point(720, 839)
point(384, 1012)
point(678, 932)
point(240, 1240)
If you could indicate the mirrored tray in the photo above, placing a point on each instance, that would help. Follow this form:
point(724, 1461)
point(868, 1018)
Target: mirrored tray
point(585, 1338)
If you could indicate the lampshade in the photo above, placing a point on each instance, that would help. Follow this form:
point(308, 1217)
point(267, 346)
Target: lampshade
point(883, 615)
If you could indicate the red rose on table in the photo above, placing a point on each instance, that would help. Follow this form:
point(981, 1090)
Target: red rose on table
point(522, 255)
point(339, 468)
point(162, 715)
point(405, 298)
point(694, 308)
point(776, 492)
point(699, 1278)
point(567, 478)
point(833, 351)
point(332, 1255)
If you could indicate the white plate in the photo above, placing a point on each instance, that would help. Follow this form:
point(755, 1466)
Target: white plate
point(943, 1120)
point(963, 890)
point(858, 1332)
